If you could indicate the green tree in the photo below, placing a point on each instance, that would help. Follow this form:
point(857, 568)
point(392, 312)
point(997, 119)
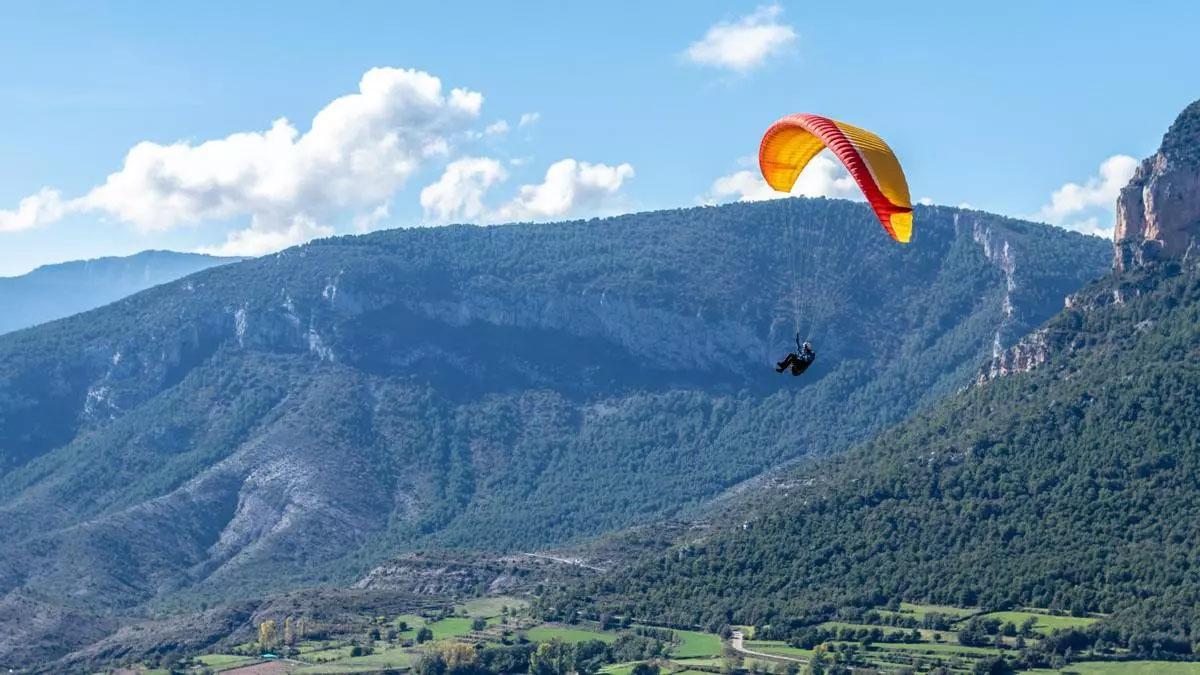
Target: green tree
point(551, 658)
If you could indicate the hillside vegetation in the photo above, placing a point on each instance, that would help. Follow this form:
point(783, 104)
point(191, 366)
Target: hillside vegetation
point(1072, 487)
point(295, 419)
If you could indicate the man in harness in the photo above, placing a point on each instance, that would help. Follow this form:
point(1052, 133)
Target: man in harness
point(799, 360)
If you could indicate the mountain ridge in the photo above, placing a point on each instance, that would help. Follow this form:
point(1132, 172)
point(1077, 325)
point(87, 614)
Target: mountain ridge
point(299, 418)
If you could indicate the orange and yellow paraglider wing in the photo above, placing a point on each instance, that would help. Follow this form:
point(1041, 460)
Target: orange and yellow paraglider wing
point(887, 177)
point(901, 226)
point(793, 141)
point(785, 150)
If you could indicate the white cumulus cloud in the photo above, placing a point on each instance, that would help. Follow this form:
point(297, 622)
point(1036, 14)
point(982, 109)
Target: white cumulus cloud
point(255, 241)
point(569, 188)
point(365, 222)
point(459, 193)
point(823, 177)
point(742, 186)
point(286, 184)
point(498, 128)
point(358, 151)
point(1089, 207)
point(44, 206)
point(1092, 226)
point(744, 44)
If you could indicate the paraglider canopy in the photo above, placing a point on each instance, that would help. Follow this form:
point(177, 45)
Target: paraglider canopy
point(793, 141)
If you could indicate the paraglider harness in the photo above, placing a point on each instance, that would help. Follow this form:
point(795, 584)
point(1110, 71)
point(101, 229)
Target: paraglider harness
point(799, 360)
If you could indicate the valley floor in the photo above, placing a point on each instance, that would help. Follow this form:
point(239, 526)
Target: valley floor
point(910, 638)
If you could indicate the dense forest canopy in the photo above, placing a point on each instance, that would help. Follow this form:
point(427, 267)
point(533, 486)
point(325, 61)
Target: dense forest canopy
point(1072, 487)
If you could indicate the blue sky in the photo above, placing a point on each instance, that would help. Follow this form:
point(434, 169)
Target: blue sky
point(628, 106)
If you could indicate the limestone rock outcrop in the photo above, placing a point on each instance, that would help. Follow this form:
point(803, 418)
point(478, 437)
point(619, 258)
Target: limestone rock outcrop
point(1158, 213)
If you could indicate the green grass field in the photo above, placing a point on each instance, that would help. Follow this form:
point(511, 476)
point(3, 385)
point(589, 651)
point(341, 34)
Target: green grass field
point(777, 647)
point(414, 622)
point(618, 668)
point(224, 661)
point(1045, 622)
point(929, 648)
point(698, 661)
point(490, 607)
point(751, 663)
point(455, 626)
point(450, 628)
point(326, 655)
point(334, 669)
point(1125, 668)
point(919, 611)
point(692, 644)
point(310, 646)
point(389, 657)
point(855, 626)
point(926, 634)
point(548, 632)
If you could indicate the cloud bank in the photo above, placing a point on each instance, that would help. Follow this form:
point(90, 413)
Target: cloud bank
point(569, 188)
point(290, 185)
point(358, 150)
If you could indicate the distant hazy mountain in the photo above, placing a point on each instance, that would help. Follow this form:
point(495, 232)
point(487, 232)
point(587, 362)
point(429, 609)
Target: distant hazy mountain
point(54, 291)
point(296, 418)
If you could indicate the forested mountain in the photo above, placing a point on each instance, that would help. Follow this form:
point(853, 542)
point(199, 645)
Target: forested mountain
point(294, 419)
point(1070, 484)
point(1071, 487)
point(54, 291)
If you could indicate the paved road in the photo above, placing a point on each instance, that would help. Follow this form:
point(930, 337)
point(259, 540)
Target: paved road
point(737, 641)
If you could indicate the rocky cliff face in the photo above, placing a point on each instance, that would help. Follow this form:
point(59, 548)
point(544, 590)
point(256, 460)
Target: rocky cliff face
point(1158, 213)
point(1029, 353)
point(1158, 219)
point(461, 574)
